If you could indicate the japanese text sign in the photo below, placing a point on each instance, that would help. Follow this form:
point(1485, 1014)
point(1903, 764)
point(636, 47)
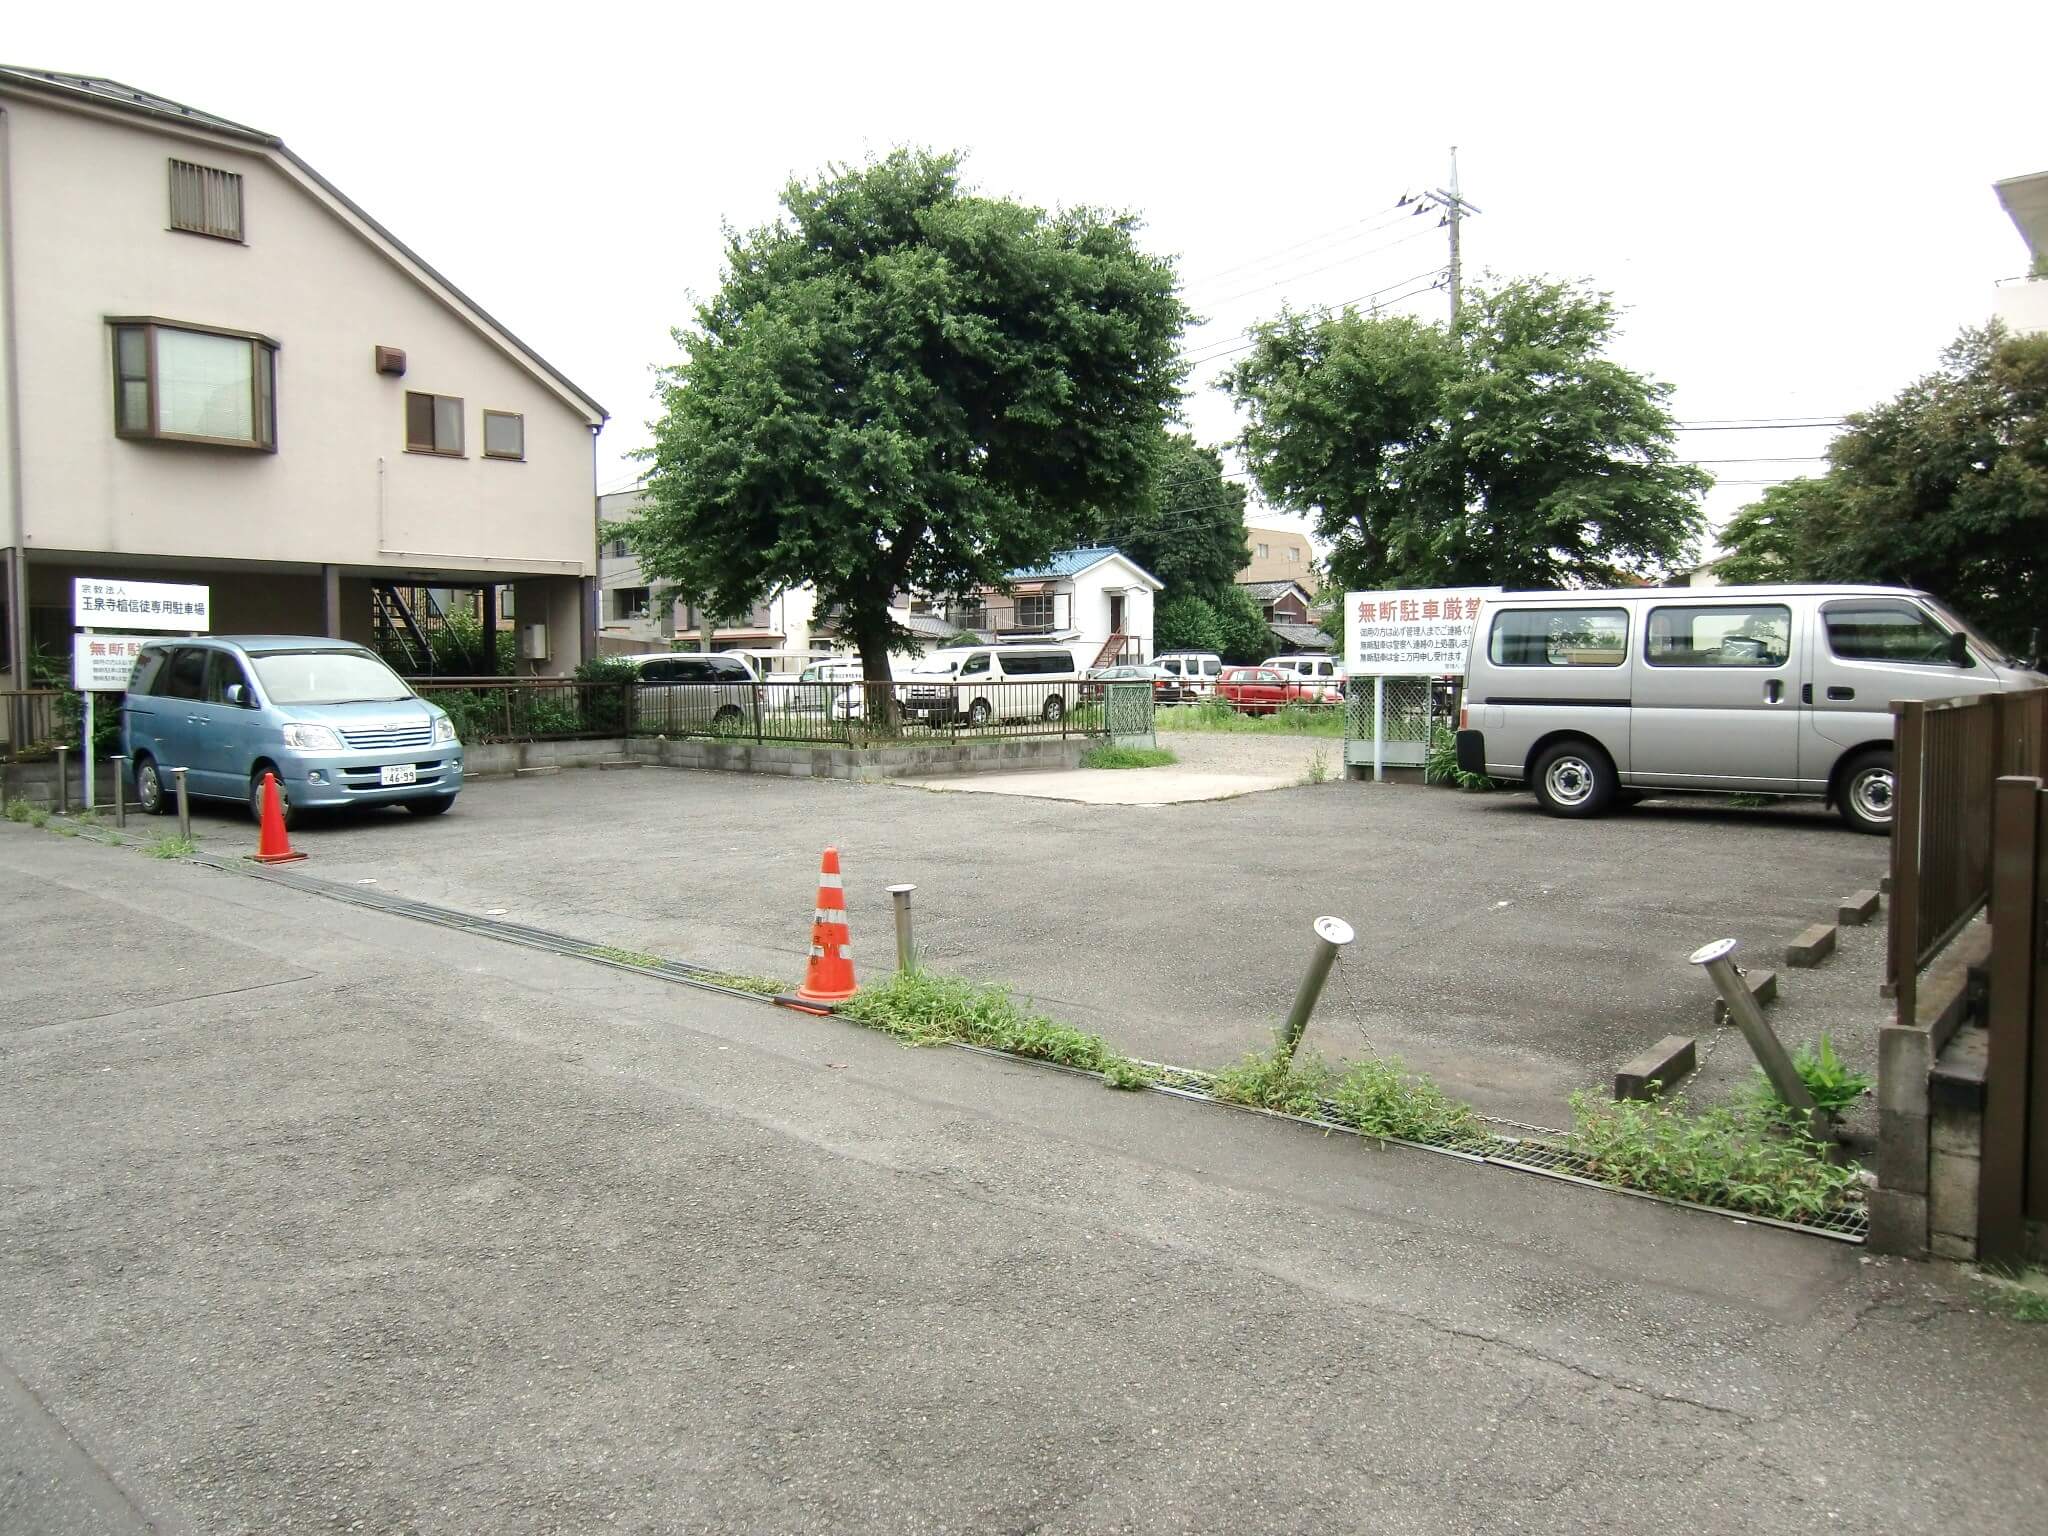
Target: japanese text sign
point(1422, 633)
point(101, 663)
point(97, 603)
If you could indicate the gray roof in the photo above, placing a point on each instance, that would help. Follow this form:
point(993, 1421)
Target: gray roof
point(1268, 591)
point(1303, 637)
point(128, 98)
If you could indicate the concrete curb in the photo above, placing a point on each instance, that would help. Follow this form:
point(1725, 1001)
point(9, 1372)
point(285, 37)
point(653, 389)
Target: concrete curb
point(1811, 947)
point(1656, 1070)
point(1856, 909)
point(1763, 986)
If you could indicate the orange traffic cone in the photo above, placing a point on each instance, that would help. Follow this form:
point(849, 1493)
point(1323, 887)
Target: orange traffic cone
point(829, 978)
point(273, 847)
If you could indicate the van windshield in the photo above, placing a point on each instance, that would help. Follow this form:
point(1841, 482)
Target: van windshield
point(934, 666)
point(327, 677)
point(1997, 653)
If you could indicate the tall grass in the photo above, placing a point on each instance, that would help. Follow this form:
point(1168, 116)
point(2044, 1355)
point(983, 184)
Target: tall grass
point(1292, 720)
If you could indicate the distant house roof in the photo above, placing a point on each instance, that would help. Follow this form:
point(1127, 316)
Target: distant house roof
point(1273, 591)
point(930, 626)
point(1072, 562)
point(1303, 637)
point(92, 90)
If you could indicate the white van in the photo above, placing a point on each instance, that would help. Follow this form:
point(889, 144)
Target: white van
point(1784, 690)
point(1196, 671)
point(984, 683)
point(1326, 670)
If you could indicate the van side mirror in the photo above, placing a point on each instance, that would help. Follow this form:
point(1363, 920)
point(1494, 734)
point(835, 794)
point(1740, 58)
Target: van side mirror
point(238, 695)
point(1959, 649)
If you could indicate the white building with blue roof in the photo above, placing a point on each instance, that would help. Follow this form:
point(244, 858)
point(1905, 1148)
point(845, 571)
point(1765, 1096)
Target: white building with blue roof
point(1098, 599)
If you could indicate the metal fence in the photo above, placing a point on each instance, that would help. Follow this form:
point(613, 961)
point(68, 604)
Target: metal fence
point(29, 720)
point(1947, 756)
point(1391, 722)
point(832, 714)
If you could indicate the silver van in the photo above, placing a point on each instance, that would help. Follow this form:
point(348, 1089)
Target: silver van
point(1592, 697)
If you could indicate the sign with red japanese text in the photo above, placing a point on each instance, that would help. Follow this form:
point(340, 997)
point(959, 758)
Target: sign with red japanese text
point(98, 603)
point(1423, 633)
point(101, 663)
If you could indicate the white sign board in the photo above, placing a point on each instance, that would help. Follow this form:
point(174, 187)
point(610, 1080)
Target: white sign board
point(1420, 633)
point(97, 603)
point(101, 663)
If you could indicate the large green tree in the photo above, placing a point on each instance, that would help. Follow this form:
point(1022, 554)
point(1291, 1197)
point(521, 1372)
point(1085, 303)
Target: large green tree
point(1944, 487)
point(1506, 449)
point(1187, 528)
point(901, 384)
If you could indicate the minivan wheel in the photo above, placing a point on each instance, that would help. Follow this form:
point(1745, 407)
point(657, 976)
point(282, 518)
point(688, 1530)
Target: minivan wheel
point(1865, 800)
point(978, 712)
point(284, 800)
point(1055, 710)
point(149, 787)
point(1575, 779)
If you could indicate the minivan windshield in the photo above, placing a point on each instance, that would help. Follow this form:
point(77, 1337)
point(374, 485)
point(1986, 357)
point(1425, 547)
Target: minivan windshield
point(934, 666)
point(327, 677)
point(1998, 654)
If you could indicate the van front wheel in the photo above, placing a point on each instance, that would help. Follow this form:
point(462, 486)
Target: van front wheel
point(1575, 779)
point(1865, 800)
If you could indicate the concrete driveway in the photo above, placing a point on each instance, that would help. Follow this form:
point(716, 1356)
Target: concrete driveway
point(1514, 956)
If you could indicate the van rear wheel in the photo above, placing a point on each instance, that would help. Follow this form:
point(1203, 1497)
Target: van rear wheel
point(1865, 799)
point(1574, 779)
point(149, 787)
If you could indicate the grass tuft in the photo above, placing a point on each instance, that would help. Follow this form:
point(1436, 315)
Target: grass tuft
point(1106, 756)
point(19, 809)
point(2020, 1294)
point(760, 986)
point(1379, 1099)
point(920, 1008)
point(623, 956)
point(1293, 720)
point(1318, 771)
point(172, 846)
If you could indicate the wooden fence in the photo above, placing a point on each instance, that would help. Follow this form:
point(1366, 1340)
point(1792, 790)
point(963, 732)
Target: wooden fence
point(2013, 1183)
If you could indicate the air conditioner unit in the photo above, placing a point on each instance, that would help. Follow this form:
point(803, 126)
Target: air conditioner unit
point(533, 642)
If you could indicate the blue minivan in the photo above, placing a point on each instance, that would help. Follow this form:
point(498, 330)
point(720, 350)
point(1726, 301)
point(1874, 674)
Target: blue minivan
point(335, 725)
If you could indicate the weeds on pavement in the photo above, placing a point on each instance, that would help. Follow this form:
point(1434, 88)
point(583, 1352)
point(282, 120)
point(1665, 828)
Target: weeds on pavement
point(172, 846)
point(622, 956)
point(1106, 756)
point(1440, 765)
point(1273, 1080)
point(2020, 1294)
point(1318, 767)
point(732, 981)
point(920, 1008)
point(1379, 1099)
point(1740, 1158)
point(19, 809)
point(1833, 1084)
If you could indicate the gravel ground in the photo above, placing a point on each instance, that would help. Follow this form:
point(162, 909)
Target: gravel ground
point(1224, 752)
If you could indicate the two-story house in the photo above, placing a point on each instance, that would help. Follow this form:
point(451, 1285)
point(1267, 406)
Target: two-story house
point(1279, 554)
point(217, 368)
point(637, 613)
point(1098, 598)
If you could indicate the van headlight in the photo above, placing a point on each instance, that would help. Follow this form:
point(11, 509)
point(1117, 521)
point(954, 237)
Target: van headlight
point(444, 729)
point(311, 738)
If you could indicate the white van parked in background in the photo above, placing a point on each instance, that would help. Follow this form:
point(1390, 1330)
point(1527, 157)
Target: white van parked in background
point(981, 683)
point(1310, 669)
point(1196, 670)
point(1785, 690)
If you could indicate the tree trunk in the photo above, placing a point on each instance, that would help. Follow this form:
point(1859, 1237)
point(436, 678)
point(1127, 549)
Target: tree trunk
point(874, 668)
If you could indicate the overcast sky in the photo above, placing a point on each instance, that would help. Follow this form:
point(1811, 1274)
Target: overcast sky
point(1791, 201)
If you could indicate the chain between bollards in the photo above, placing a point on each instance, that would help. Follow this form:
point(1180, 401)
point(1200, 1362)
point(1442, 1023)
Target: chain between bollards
point(120, 791)
point(1332, 934)
point(906, 950)
point(1764, 1043)
point(184, 804)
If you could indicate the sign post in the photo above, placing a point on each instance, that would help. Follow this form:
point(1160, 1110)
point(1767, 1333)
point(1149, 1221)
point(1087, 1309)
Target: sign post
point(1413, 633)
point(101, 663)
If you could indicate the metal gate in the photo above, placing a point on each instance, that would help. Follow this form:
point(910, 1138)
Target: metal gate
point(1127, 714)
point(1389, 722)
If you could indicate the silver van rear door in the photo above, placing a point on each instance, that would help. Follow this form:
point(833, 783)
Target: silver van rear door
point(1716, 698)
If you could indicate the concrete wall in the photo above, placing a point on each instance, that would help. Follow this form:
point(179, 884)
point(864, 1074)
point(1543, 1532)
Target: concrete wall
point(872, 765)
point(2023, 305)
point(90, 204)
point(1276, 566)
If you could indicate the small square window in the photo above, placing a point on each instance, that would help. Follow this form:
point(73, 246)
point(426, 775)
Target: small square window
point(433, 424)
point(504, 435)
point(205, 201)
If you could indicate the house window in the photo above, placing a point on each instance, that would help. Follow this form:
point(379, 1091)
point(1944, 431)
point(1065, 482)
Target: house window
point(433, 424)
point(504, 435)
point(629, 602)
point(1265, 551)
point(1293, 553)
point(970, 616)
point(1034, 610)
point(616, 550)
point(205, 201)
point(194, 386)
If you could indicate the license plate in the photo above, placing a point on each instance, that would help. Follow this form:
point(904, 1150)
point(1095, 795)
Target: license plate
point(398, 773)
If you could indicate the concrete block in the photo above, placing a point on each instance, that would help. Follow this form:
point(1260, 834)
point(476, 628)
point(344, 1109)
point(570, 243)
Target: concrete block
point(1763, 986)
point(1812, 946)
point(607, 763)
point(1902, 1151)
point(1946, 1245)
point(1955, 1131)
point(1884, 885)
point(1663, 1065)
point(1856, 909)
point(1898, 1222)
point(535, 773)
point(1952, 1193)
point(1905, 1057)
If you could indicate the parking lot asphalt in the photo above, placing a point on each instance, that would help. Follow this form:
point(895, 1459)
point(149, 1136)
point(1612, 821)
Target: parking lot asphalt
point(317, 1219)
point(1513, 956)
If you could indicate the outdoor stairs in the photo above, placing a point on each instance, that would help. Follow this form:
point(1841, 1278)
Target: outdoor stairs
point(1112, 649)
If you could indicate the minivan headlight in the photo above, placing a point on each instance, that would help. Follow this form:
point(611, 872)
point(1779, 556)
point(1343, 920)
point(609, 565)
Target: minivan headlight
point(444, 729)
point(311, 738)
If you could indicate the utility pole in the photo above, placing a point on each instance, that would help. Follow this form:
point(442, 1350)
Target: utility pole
point(1455, 208)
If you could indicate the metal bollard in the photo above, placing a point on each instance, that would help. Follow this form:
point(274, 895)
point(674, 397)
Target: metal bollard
point(1332, 934)
point(184, 804)
point(120, 791)
point(63, 781)
point(1764, 1043)
point(906, 952)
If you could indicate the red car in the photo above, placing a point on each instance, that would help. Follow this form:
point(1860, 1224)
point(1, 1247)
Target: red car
point(1267, 690)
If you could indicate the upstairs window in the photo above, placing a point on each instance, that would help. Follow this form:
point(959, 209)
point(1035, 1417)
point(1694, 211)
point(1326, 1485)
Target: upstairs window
point(433, 424)
point(504, 435)
point(1034, 610)
point(183, 384)
point(205, 201)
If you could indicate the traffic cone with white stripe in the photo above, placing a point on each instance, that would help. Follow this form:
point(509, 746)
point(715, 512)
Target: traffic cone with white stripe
point(829, 978)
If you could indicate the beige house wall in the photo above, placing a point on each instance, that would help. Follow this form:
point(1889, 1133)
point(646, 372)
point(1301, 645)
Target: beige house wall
point(1275, 564)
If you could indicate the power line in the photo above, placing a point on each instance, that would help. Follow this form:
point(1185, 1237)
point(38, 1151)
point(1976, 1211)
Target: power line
point(1435, 273)
point(1355, 229)
point(1783, 458)
point(1295, 277)
point(1778, 425)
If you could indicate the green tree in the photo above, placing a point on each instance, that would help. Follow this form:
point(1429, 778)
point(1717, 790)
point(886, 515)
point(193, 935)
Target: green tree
point(1185, 622)
point(1187, 528)
point(901, 384)
point(1944, 487)
point(1242, 632)
point(1509, 449)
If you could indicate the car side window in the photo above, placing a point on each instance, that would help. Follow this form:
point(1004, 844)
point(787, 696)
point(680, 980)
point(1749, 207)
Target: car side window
point(1172, 664)
point(1885, 631)
point(1719, 635)
point(689, 669)
point(1559, 637)
point(730, 669)
point(222, 672)
point(1211, 668)
point(187, 675)
point(149, 671)
point(975, 665)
